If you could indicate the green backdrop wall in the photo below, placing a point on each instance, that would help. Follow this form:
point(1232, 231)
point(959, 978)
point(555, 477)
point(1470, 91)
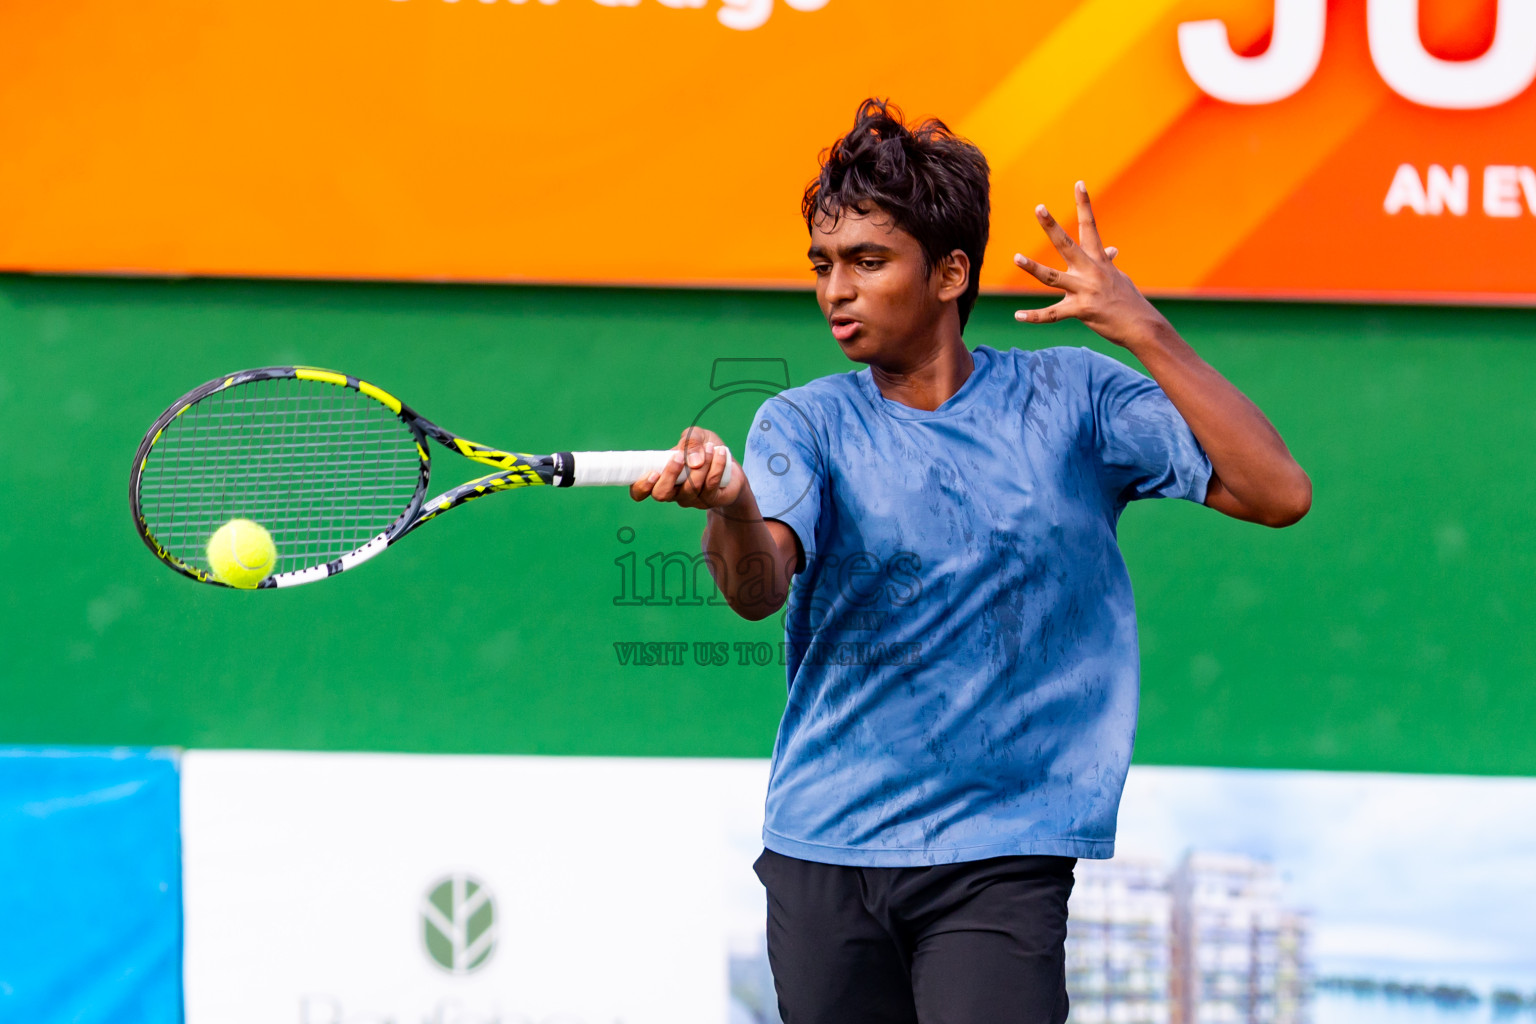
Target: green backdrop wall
point(1386, 631)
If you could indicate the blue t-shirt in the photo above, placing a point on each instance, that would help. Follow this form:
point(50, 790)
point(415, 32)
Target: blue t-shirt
point(961, 643)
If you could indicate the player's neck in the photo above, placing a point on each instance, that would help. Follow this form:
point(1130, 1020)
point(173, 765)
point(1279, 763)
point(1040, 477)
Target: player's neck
point(931, 376)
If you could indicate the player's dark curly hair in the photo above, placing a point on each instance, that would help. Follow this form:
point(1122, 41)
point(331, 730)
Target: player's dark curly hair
point(932, 182)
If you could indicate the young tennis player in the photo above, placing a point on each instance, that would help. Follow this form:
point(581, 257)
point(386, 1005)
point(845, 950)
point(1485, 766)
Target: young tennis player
point(961, 639)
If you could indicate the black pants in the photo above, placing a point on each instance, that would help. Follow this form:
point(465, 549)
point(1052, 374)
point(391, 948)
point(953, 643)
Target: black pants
point(974, 943)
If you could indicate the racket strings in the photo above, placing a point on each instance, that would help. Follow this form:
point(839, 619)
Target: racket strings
point(323, 468)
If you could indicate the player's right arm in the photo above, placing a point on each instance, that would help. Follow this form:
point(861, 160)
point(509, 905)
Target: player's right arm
point(751, 558)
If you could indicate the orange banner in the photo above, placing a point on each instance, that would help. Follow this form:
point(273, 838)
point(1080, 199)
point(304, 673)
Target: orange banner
point(1327, 148)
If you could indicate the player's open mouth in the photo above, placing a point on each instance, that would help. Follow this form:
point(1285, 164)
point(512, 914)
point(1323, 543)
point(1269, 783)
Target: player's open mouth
point(844, 328)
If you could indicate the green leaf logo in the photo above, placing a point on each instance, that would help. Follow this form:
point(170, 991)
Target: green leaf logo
point(458, 921)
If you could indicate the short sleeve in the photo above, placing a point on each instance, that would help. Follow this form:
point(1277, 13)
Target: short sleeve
point(1144, 447)
point(786, 467)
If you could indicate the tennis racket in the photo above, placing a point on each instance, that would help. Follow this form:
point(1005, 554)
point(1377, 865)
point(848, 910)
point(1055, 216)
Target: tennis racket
point(333, 467)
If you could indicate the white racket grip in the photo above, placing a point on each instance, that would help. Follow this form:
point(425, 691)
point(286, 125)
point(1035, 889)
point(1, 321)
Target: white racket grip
point(620, 469)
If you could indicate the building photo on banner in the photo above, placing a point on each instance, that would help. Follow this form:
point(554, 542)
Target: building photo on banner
point(352, 755)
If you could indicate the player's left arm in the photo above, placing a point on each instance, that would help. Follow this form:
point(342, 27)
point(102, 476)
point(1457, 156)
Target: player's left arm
point(1253, 474)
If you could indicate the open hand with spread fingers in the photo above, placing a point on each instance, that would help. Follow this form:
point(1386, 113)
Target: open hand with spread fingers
point(1097, 292)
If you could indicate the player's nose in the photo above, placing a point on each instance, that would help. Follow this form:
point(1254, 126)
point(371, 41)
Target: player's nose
point(840, 284)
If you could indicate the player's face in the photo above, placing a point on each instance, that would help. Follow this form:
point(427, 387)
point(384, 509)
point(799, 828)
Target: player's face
point(874, 289)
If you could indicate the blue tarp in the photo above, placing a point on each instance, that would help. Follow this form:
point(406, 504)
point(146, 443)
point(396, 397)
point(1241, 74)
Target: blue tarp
point(90, 886)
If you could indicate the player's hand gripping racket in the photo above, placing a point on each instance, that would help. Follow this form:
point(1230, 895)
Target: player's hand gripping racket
point(334, 468)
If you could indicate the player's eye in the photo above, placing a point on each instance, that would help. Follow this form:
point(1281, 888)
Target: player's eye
point(871, 264)
point(821, 268)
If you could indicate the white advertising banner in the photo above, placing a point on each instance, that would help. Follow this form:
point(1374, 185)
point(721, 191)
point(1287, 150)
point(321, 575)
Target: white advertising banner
point(413, 889)
point(400, 889)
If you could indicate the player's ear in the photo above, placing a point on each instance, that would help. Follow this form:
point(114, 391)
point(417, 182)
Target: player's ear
point(953, 275)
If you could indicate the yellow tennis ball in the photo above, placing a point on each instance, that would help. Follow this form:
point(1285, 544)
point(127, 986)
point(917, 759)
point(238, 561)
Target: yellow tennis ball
point(241, 553)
